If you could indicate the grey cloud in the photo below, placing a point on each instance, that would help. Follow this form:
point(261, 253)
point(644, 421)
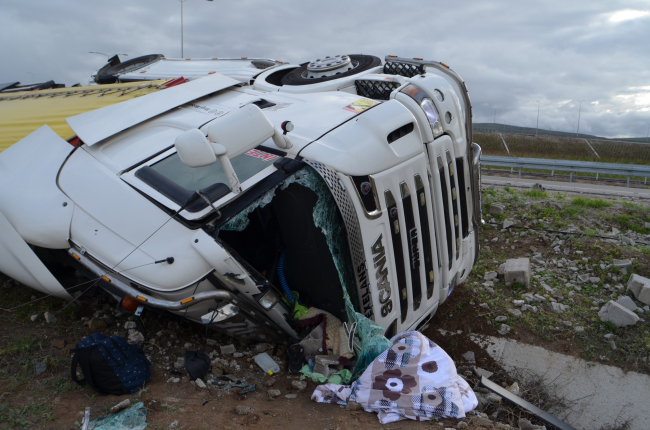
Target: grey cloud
point(510, 53)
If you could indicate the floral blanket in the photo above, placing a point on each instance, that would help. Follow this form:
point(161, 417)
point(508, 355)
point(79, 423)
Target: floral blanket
point(414, 379)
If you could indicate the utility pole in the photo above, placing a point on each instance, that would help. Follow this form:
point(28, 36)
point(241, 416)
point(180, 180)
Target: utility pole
point(648, 136)
point(182, 51)
point(579, 111)
point(537, 126)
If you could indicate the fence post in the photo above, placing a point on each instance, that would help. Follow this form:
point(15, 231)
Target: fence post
point(552, 173)
point(520, 173)
point(645, 180)
point(628, 182)
point(571, 177)
point(597, 175)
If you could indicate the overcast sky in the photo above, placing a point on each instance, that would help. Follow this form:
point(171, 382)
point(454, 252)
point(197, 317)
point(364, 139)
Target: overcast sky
point(510, 53)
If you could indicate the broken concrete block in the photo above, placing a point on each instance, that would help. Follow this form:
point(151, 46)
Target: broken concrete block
point(507, 223)
point(501, 318)
point(469, 357)
point(517, 270)
point(617, 314)
point(504, 329)
point(482, 372)
point(559, 307)
point(640, 287)
point(515, 312)
point(497, 209)
point(490, 276)
point(228, 349)
point(627, 303)
point(621, 264)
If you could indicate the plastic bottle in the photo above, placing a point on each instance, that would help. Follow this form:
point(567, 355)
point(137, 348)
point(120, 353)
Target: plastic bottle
point(266, 363)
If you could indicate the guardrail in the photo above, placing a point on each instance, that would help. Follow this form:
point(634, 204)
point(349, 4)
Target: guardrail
point(571, 166)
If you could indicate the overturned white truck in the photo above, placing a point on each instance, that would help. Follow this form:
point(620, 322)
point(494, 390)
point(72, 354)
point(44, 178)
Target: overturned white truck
point(227, 201)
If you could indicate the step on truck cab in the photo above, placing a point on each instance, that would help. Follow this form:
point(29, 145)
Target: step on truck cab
point(342, 180)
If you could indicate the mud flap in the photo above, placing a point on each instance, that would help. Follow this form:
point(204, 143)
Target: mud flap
point(19, 261)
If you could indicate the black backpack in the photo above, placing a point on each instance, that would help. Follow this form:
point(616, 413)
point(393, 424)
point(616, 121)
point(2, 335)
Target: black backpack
point(110, 365)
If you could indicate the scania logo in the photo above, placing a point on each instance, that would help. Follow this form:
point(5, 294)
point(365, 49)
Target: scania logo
point(393, 212)
point(383, 285)
point(365, 188)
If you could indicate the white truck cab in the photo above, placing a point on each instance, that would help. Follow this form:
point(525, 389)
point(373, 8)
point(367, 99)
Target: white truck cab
point(228, 200)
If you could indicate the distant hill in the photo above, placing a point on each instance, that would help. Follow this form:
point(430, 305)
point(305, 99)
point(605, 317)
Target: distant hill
point(530, 131)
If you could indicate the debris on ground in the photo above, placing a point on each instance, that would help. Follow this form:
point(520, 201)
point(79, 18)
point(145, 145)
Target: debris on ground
point(132, 418)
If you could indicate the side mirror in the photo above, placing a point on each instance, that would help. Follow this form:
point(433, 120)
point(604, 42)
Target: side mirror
point(195, 150)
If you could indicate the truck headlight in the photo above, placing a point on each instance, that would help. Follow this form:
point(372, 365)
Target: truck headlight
point(427, 106)
point(267, 299)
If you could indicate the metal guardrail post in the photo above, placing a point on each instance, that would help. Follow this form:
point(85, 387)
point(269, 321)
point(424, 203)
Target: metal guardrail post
point(520, 173)
point(628, 182)
point(571, 177)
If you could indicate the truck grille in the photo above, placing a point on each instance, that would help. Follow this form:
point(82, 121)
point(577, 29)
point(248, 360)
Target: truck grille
point(378, 90)
point(460, 169)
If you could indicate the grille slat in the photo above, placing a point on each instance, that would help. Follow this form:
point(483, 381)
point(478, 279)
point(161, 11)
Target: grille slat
point(398, 252)
point(460, 171)
point(412, 245)
point(454, 201)
point(427, 251)
point(445, 205)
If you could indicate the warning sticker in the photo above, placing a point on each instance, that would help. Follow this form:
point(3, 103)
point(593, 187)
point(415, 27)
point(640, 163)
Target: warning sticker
point(360, 105)
point(264, 156)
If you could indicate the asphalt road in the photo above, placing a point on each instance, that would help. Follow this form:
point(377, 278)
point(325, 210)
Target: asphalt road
point(568, 187)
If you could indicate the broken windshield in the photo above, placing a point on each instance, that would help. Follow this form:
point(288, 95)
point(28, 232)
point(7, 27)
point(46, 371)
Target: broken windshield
point(198, 178)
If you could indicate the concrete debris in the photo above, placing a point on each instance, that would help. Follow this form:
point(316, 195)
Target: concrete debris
point(39, 368)
point(622, 264)
point(612, 344)
point(469, 357)
point(640, 287)
point(228, 349)
point(290, 396)
point(529, 308)
point(527, 425)
point(515, 312)
point(174, 380)
point(121, 406)
point(34, 317)
point(517, 270)
point(269, 381)
point(261, 347)
point(482, 372)
point(559, 307)
point(627, 303)
point(135, 337)
point(299, 385)
point(173, 425)
point(501, 318)
point(539, 187)
point(567, 323)
point(497, 209)
point(199, 383)
point(484, 306)
point(49, 317)
point(490, 276)
point(273, 393)
point(130, 324)
point(504, 329)
point(608, 336)
point(507, 224)
point(579, 329)
point(617, 314)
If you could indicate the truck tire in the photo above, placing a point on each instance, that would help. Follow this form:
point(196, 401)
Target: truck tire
point(111, 74)
point(365, 62)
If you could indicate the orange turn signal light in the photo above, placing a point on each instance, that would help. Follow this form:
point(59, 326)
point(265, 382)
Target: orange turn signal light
point(76, 257)
point(187, 300)
point(106, 278)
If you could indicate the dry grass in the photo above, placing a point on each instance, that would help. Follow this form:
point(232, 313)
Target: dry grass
point(563, 148)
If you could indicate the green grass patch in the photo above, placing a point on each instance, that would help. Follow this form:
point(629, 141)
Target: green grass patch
point(536, 194)
point(590, 203)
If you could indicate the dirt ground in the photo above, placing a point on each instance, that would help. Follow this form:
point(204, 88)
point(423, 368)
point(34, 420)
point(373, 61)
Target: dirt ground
point(50, 400)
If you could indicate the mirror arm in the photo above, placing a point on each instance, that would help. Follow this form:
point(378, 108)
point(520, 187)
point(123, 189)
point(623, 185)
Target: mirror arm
point(281, 140)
